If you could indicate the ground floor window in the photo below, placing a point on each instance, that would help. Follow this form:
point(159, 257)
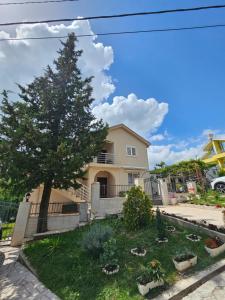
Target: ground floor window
point(132, 176)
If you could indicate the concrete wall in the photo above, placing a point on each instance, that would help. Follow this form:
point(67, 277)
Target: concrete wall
point(55, 222)
point(100, 207)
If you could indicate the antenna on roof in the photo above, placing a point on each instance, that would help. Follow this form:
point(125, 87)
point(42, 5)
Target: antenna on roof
point(210, 135)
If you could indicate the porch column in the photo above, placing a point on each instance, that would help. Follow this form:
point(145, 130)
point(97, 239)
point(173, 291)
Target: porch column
point(95, 195)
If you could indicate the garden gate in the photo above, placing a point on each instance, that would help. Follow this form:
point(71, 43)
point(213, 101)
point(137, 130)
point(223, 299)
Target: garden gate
point(8, 213)
point(152, 188)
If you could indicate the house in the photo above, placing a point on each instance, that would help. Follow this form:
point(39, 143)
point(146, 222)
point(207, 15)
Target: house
point(215, 152)
point(122, 159)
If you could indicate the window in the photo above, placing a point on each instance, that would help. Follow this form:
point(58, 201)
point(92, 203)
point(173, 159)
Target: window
point(131, 177)
point(131, 151)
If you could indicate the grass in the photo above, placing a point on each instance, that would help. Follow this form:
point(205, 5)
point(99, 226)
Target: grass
point(72, 274)
point(211, 198)
point(7, 230)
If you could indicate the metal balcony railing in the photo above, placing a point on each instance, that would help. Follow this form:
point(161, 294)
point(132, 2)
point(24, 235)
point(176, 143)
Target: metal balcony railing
point(111, 191)
point(105, 158)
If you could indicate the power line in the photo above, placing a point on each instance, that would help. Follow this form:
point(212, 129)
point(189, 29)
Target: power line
point(36, 2)
point(116, 33)
point(199, 8)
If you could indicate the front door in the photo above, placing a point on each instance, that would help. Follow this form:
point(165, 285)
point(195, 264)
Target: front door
point(103, 186)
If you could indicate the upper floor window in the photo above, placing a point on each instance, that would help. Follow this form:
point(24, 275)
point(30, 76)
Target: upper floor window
point(131, 150)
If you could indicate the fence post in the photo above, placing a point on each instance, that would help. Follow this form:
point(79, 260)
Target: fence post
point(140, 182)
point(21, 223)
point(83, 210)
point(95, 195)
point(164, 191)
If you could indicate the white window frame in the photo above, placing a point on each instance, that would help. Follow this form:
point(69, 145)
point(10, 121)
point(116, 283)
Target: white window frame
point(131, 150)
point(134, 175)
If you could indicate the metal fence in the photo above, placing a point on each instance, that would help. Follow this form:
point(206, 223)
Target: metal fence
point(56, 208)
point(110, 191)
point(8, 213)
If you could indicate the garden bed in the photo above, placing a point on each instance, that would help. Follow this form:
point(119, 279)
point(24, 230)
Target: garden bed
point(69, 272)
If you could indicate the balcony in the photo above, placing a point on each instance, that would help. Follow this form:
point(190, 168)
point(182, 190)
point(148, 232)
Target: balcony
point(105, 158)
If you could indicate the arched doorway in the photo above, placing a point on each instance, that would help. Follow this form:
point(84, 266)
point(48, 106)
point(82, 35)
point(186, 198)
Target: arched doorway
point(107, 183)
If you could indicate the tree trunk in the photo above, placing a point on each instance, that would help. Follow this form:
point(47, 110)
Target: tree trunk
point(43, 213)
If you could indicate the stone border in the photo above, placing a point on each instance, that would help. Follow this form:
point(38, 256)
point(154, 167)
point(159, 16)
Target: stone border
point(188, 224)
point(186, 286)
point(25, 262)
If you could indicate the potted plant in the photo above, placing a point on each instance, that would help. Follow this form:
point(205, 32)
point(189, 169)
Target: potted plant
point(139, 251)
point(193, 237)
point(160, 225)
point(214, 246)
point(170, 228)
point(152, 276)
point(2, 258)
point(108, 258)
point(184, 260)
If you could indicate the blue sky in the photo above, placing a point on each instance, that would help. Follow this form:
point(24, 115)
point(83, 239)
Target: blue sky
point(183, 69)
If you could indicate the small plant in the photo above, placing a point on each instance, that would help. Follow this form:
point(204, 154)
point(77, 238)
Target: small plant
point(213, 243)
point(138, 251)
point(108, 257)
point(95, 238)
point(153, 272)
point(193, 237)
point(137, 209)
point(160, 225)
point(54, 246)
point(184, 255)
point(122, 194)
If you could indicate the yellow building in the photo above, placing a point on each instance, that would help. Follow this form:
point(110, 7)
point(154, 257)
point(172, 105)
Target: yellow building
point(215, 152)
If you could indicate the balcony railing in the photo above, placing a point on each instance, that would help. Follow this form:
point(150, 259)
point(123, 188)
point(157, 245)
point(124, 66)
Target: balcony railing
point(105, 158)
point(110, 191)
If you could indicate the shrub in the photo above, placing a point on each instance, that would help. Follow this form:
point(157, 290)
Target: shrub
point(137, 209)
point(153, 272)
point(95, 238)
point(109, 252)
point(160, 225)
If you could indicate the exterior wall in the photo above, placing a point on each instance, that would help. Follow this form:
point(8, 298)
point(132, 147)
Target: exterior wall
point(55, 222)
point(104, 206)
point(57, 196)
point(121, 138)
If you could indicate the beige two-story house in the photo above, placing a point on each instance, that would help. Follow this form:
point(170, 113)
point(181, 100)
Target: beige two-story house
point(122, 159)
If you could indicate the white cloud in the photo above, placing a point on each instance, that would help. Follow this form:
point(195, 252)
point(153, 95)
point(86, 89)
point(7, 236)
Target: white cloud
point(143, 116)
point(20, 61)
point(170, 155)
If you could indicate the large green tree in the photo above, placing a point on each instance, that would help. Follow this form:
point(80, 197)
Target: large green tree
point(50, 133)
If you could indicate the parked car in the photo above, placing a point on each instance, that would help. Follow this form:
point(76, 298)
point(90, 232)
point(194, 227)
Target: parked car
point(218, 184)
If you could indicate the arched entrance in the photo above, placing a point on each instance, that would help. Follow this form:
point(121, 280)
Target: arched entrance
point(107, 183)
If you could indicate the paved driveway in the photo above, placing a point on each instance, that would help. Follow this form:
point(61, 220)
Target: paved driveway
point(212, 215)
point(17, 283)
point(214, 289)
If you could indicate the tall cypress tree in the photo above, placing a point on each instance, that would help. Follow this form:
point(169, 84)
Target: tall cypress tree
point(50, 133)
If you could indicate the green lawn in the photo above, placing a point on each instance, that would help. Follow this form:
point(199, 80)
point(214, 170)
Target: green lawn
point(210, 198)
point(72, 274)
point(7, 230)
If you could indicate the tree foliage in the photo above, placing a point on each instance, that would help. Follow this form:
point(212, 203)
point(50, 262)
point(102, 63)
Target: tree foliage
point(137, 209)
point(184, 168)
point(50, 133)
